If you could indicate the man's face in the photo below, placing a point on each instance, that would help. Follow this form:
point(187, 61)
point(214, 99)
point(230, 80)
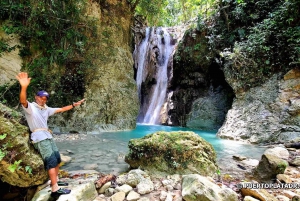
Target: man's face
point(41, 100)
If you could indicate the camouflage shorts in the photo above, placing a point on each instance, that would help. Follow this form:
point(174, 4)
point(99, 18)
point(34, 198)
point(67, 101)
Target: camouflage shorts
point(49, 152)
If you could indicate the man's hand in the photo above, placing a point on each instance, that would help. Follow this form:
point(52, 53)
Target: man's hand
point(79, 102)
point(23, 79)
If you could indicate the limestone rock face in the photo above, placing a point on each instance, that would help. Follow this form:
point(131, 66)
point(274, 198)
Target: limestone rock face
point(172, 153)
point(111, 98)
point(269, 112)
point(10, 62)
point(16, 148)
point(198, 95)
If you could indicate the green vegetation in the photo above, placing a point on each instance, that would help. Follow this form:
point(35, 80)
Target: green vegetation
point(257, 39)
point(54, 38)
point(172, 12)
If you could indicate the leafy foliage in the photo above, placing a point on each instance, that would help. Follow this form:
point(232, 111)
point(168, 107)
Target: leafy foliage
point(52, 34)
point(257, 39)
point(172, 12)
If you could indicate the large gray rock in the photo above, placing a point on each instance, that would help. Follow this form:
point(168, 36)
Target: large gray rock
point(172, 153)
point(16, 147)
point(269, 166)
point(266, 113)
point(196, 187)
point(209, 113)
point(82, 188)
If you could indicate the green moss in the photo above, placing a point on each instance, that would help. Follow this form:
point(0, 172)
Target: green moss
point(171, 151)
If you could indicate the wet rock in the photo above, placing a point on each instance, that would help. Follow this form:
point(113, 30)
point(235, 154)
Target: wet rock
point(90, 166)
point(239, 158)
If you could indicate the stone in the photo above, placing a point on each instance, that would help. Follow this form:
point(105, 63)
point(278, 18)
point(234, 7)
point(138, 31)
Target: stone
point(90, 166)
point(104, 187)
point(145, 186)
point(295, 161)
point(83, 190)
point(284, 178)
point(177, 152)
point(134, 177)
point(269, 166)
point(124, 188)
point(133, 196)
point(239, 158)
point(144, 199)
point(249, 198)
point(282, 198)
point(280, 152)
point(289, 194)
point(65, 159)
point(196, 187)
point(119, 196)
point(17, 136)
point(260, 194)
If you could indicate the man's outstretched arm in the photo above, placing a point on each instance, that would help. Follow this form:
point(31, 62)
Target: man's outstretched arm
point(69, 107)
point(24, 81)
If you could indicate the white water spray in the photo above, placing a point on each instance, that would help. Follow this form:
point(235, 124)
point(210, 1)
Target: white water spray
point(159, 92)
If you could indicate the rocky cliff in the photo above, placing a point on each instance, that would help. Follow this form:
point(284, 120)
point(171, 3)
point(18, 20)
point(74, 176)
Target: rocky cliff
point(110, 90)
point(101, 71)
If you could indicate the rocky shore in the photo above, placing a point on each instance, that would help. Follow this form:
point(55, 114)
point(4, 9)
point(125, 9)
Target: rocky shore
point(226, 184)
point(139, 185)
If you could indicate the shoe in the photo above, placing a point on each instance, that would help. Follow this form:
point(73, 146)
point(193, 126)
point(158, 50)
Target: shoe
point(60, 192)
point(61, 183)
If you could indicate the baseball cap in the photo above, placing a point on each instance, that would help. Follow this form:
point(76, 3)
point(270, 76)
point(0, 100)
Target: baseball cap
point(42, 93)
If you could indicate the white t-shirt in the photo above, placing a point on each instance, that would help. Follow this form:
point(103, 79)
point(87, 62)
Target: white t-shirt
point(37, 118)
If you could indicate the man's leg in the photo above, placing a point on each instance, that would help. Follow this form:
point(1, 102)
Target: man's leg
point(53, 177)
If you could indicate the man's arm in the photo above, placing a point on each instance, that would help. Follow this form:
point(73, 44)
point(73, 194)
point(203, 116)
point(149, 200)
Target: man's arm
point(69, 107)
point(24, 81)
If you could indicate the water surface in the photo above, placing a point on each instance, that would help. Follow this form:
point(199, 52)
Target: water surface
point(106, 151)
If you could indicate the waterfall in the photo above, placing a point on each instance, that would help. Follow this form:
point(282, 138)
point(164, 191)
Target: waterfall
point(141, 61)
point(159, 89)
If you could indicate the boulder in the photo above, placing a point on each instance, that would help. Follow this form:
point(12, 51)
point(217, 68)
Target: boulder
point(179, 152)
point(196, 187)
point(280, 152)
point(20, 164)
point(269, 166)
point(82, 187)
point(260, 194)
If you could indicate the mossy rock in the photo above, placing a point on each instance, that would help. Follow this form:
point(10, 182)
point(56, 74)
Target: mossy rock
point(178, 152)
point(269, 166)
point(15, 147)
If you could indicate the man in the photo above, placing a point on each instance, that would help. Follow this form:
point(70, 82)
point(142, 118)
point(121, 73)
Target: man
point(37, 114)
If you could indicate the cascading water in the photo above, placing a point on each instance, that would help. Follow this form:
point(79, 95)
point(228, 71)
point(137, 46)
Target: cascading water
point(157, 97)
point(141, 62)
